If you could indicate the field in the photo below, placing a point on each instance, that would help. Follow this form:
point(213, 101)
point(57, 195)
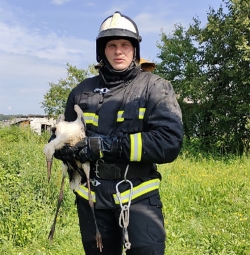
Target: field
point(206, 202)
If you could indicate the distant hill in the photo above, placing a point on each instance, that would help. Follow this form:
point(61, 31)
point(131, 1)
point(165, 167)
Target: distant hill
point(14, 116)
point(9, 117)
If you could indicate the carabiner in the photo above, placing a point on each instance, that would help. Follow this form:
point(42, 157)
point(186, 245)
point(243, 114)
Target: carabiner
point(118, 194)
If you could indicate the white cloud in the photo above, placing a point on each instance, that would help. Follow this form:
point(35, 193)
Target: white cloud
point(24, 81)
point(28, 70)
point(20, 40)
point(60, 2)
point(149, 23)
point(31, 58)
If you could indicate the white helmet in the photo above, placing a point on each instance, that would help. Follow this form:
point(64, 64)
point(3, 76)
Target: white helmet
point(117, 26)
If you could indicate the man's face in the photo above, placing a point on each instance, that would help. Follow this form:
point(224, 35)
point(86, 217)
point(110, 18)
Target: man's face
point(119, 53)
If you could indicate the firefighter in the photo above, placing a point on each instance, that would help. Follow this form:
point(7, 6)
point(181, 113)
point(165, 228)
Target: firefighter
point(133, 123)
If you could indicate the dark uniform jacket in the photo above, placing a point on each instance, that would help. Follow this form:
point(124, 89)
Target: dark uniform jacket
point(141, 107)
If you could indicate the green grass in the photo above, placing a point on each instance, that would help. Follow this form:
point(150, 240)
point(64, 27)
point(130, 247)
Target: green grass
point(206, 203)
point(206, 206)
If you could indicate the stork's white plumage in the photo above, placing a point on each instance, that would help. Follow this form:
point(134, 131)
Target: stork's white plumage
point(67, 133)
point(70, 133)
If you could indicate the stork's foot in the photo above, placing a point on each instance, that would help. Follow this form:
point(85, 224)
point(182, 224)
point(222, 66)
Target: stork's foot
point(51, 233)
point(98, 238)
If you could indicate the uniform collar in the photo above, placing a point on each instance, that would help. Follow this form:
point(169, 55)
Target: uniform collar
point(113, 78)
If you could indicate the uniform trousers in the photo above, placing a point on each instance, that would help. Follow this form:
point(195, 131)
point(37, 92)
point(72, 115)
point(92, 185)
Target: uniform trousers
point(145, 230)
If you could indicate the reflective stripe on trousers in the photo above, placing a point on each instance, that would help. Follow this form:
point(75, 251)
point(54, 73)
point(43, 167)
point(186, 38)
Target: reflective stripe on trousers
point(138, 191)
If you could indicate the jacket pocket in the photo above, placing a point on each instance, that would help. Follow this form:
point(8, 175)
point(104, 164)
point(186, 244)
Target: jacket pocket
point(132, 120)
point(155, 226)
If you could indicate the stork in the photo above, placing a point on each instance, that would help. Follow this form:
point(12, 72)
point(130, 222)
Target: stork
point(70, 133)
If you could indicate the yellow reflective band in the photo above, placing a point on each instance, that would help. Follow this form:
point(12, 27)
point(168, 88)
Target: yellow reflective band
point(138, 191)
point(119, 116)
point(141, 113)
point(135, 147)
point(101, 154)
point(91, 118)
point(83, 192)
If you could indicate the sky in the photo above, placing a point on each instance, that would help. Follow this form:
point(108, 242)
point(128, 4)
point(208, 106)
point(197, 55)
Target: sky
point(39, 37)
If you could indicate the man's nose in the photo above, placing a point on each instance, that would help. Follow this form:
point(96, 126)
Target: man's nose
point(118, 50)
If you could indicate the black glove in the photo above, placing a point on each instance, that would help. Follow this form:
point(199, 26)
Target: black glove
point(92, 148)
point(99, 146)
point(67, 153)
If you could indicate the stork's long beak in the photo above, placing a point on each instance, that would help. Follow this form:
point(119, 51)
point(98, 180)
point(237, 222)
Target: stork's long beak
point(49, 166)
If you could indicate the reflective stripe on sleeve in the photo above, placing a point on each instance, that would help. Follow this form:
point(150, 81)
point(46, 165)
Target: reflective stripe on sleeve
point(138, 191)
point(141, 113)
point(91, 118)
point(119, 116)
point(135, 147)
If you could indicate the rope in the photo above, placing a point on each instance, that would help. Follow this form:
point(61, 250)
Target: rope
point(123, 223)
point(124, 214)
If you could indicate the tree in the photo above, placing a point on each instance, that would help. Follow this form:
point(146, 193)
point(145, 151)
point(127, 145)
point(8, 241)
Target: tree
point(210, 67)
point(56, 97)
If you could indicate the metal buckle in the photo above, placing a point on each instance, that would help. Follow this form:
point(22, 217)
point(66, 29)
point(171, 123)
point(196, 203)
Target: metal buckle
point(96, 167)
point(101, 91)
point(95, 182)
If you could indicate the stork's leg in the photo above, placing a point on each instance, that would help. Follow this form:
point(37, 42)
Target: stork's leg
point(86, 168)
point(60, 198)
point(49, 166)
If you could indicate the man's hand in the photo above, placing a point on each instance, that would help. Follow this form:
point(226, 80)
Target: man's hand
point(91, 149)
point(99, 146)
point(66, 153)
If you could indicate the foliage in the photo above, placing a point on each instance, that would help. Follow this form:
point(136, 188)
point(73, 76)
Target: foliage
point(56, 97)
point(209, 69)
point(206, 202)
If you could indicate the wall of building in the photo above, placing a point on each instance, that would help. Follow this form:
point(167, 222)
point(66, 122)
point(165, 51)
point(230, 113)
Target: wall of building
point(37, 124)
